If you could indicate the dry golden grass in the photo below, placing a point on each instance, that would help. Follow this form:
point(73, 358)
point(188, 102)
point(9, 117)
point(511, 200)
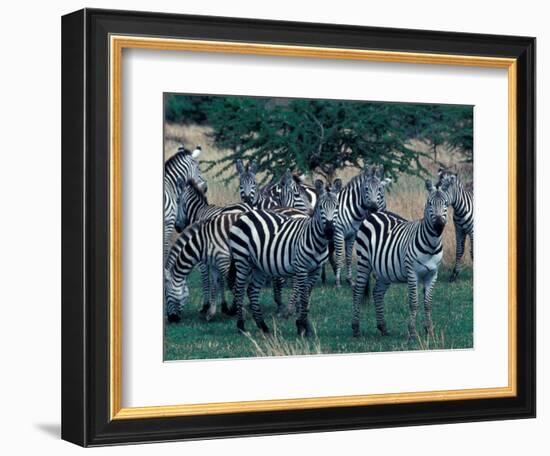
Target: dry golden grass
point(406, 197)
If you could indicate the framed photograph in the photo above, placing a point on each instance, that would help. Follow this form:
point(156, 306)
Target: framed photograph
point(268, 227)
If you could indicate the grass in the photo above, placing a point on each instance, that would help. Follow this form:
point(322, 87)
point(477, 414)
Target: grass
point(452, 315)
point(193, 338)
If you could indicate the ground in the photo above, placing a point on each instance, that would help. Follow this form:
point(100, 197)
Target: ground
point(194, 338)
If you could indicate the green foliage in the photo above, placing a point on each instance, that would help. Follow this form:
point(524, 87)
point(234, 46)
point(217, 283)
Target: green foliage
point(322, 136)
point(185, 109)
point(193, 338)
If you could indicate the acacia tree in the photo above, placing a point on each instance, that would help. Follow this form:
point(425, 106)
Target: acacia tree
point(309, 136)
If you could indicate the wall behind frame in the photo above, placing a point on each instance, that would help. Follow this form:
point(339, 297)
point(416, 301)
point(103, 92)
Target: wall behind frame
point(30, 191)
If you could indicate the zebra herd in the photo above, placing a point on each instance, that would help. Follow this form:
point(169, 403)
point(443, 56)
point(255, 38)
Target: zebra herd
point(288, 230)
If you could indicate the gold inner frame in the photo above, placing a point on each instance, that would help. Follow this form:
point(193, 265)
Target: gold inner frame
point(117, 44)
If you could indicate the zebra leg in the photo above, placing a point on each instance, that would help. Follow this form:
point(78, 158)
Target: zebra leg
point(241, 278)
point(332, 262)
point(278, 284)
point(349, 253)
point(361, 285)
point(205, 277)
point(302, 323)
point(339, 255)
point(412, 282)
point(258, 279)
point(472, 245)
point(429, 282)
point(215, 285)
point(378, 293)
point(460, 239)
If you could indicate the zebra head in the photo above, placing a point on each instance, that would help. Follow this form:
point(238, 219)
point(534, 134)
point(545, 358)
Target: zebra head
point(248, 186)
point(374, 188)
point(325, 213)
point(192, 167)
point(437, 204)
point(189, 192)
point(450, 180)
point(291, 194)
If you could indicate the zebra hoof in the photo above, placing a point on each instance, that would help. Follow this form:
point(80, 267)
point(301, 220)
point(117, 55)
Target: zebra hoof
point(383, 330)
point(174, 318)
point(429, 330)
point(263, 327)
point(209, 317)
point(453, 277)
point(240, 327)
point(231, 311)
point(204, 309)
point(304, 328)
point(355, 330)
point(225, 308)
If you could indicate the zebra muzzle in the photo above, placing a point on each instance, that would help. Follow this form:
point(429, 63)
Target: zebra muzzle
point(329, 230)
point(439, 224)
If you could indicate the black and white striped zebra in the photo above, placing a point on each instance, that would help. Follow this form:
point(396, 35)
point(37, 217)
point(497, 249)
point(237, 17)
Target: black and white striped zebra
point(363, 194)
point(183, 165)
point(301, 196)
point(248, 187)
point(192, 205)
point(462, 201)
point(206, 243)
point(396, 250)
point(266, 244)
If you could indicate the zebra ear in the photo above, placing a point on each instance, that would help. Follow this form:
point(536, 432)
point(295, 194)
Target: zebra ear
point(252, 167)
point(319, 187)
point(239, 166)
point(337, 186)
point(385, 182)
point(196, 152)
point(286, 180)
point(379, 172)
point(429, 185)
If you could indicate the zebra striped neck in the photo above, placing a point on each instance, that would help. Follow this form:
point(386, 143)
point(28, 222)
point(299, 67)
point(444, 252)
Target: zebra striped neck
point(196, 205)
point(318, 241)
point(427, 240)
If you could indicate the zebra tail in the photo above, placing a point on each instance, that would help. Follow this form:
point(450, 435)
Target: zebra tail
point(366, 296)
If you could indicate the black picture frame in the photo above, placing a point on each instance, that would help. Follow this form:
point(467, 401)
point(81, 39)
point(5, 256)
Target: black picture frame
point(85, 227)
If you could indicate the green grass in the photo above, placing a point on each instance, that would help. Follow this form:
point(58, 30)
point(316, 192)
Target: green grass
point(452, 313)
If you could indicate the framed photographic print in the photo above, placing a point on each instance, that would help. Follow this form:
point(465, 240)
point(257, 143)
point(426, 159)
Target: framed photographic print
point(268, 227)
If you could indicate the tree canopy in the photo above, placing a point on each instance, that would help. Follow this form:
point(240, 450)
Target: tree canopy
point(322, 136)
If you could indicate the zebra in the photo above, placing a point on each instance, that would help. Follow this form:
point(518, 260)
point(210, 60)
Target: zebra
point(192, 205)
point(462, 201)
point(396, 250)
point(304, 197)
point(267, 244)
point(183, 165)
point(206, 243)
point(363, 194)
point(248, 187)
